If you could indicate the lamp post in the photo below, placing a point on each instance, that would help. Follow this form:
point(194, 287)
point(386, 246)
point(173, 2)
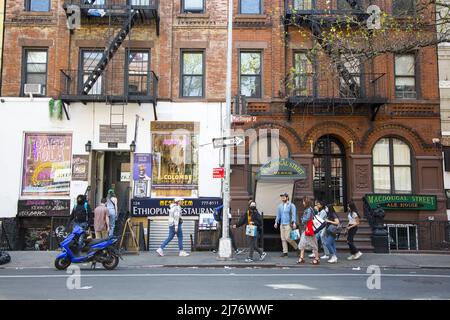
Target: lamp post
point(225, 252)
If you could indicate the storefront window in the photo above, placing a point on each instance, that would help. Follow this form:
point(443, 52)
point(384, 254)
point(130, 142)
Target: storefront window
point(392, 166)
point(47, 164)
point(175, 159)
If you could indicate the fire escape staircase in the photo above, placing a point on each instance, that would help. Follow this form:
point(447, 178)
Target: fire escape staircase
point(316, 22)
point(108, 54)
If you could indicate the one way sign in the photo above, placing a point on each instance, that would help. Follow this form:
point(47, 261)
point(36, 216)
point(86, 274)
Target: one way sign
point(228, 141)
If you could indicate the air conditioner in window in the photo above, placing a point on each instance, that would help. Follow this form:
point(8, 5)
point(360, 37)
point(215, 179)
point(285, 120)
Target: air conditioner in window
point(33, 89)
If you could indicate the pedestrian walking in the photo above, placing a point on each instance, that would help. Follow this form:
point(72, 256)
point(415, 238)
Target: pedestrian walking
point(332, 221)
point(287, 219)
point(175, 228)
point(111, 204)
point(321, 210)
point(218, 216)
point(352, 228)
point(101, 220)
point(252, 217)
point(308, 239)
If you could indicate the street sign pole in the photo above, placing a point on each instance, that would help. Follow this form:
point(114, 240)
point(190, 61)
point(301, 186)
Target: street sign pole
point(225, 242)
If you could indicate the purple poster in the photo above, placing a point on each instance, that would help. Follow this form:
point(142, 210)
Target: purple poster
point(142, 168)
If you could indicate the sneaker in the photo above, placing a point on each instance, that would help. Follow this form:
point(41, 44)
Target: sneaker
point(214, 251)
point(312, 255)
point(160, 252)
point(284, 255)
point(238, 251)
point(324, 257)
point(352, 257)
point(263, 255)
point(357, 255)
point(248, 260)
point(183, 254)
point(333, 259)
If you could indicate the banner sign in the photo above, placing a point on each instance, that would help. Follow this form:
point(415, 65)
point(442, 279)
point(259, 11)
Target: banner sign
point(43, 208)
point(284, 168)
point(160, 207)
point(402, 202)
point(142, 168)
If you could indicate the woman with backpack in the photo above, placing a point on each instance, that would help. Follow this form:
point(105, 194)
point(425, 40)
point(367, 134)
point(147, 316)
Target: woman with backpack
point(111, 204)
point(308, 238)
point(332, 221)
point(252, 217)
point(352, 228)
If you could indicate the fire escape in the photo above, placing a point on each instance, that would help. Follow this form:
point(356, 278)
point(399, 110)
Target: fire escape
point(105, 78)
point(337, 90)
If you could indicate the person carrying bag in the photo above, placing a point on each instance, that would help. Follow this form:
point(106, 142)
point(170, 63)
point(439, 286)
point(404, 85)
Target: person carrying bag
point(308, 238)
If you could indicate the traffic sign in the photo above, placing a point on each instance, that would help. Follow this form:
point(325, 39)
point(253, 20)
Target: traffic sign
point(228, 141)
point(218, 173)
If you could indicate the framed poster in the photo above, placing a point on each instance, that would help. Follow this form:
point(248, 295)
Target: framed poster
point(140, 189)
point(47, 166)
point(80, 166)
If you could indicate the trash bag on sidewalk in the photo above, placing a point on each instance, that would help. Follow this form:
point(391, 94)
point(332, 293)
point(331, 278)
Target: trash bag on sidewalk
point(4, 257)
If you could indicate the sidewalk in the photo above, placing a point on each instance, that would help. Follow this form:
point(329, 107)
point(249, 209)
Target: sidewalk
point(45, 259)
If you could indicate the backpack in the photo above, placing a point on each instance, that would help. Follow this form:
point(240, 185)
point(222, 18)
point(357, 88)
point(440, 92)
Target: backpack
point(81, 215)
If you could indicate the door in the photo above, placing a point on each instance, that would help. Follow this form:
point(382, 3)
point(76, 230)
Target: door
point(329, 171)
point(117, 176)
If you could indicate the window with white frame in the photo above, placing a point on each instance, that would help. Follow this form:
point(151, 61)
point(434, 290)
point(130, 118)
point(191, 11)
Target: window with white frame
point(250, 7)
point(392, 167)
point(405, 76)
point(194, 6)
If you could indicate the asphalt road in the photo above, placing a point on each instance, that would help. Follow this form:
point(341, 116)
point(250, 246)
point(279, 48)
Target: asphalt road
point(223, 283)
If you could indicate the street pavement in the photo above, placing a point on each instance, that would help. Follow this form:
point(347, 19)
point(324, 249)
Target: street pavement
point(201, 276)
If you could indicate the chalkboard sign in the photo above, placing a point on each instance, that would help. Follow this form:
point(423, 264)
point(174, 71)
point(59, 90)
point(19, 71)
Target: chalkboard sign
point(43, 208)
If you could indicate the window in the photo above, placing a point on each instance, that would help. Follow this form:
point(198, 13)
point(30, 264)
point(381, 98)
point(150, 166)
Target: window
point(405, 76)
point(138, 73)
point(37, 5)
point(250, 74)
point(195, 6)
point(391, 166)
point(303, 4)
point(402, 237)
point(350, 83)
point(89, 60)
point(403, 7)
point(250, 7)
point(303, 78)
point(35, 68)
point(192, 74)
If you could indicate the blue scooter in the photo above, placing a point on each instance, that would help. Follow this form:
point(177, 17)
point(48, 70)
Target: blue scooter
point(98, 250)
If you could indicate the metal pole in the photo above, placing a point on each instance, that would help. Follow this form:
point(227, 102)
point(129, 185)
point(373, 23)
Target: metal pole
point(225, 242)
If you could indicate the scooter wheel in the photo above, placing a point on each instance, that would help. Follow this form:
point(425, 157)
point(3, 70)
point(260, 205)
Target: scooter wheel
point(111, 263)
point(62, 263)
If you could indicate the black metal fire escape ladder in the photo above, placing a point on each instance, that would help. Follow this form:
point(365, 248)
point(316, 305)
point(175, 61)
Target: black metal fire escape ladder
point(108, 54)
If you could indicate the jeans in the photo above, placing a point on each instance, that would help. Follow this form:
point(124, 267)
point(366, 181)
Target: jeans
point(112, 223)
point(323, 240)
point(331, 244)
point(82, 225)
point(172, 235)
point(350, 236)
point(253, 245)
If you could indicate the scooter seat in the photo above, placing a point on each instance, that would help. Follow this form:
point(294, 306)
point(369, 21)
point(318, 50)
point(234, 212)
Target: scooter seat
point(95, 241)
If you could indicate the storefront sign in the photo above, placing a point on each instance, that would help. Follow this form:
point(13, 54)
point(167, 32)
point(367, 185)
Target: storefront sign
point(402, 202)
point(218, 173)
point(160, 207)
point(284, 168)
point(113, 134)
point(80, 164)
point(43, 208)
point(47, 164)
point(142, 167)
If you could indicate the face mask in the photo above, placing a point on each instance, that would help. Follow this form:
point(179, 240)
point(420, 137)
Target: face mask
point(326, 210)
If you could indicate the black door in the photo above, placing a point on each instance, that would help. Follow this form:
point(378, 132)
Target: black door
point(329, 171)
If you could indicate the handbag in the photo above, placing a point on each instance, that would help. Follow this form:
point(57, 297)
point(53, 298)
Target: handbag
point(251, 230)
point(334, 230)
point(309, 231)
point(318, 223)
point(295, 234)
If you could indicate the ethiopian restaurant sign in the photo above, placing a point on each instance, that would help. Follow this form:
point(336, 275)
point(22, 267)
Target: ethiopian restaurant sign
point(47, 167)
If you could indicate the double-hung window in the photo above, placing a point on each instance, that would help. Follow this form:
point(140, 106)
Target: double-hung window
point(250, 6)
point(35, 68)
point(194, 6)
point(38, 5)
point(138, 72)
point(250, 74)
point(192, 74)
point(405, 76)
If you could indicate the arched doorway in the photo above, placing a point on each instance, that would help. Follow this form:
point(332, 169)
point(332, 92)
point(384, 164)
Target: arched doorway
point(329, 171)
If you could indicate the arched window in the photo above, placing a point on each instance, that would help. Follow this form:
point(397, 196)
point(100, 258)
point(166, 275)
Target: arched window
point(391, 166)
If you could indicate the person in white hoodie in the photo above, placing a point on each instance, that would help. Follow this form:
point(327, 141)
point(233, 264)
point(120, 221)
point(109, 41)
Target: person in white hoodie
point(175, 222)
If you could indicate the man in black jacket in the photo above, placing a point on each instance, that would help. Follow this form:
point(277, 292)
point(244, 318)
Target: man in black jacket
point(80, 216)
point(252, 217)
